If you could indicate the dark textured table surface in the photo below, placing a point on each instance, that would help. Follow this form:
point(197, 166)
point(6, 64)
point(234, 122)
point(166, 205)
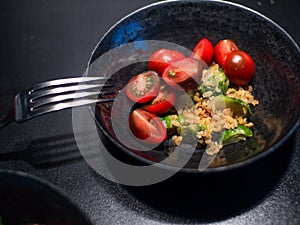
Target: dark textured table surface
point(43, 40)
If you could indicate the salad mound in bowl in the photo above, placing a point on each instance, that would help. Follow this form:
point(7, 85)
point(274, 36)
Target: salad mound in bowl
point(220, 97)
point(234, 96)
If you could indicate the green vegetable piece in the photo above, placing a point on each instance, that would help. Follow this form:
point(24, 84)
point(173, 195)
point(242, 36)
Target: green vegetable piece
point(1, 223)
point(218, 83)
point(190, 129)
point(189, 132)
point(167, 120)
point(221, 79)
point(235, 135)
point(239, 107)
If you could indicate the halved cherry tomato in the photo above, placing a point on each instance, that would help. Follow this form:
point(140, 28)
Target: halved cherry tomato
point(183, 74)
point(204, 50)
point(163, 102)
point(161, 58)
point(239, 67)
point(222, 48)
point(147, 127)
point(143, 87)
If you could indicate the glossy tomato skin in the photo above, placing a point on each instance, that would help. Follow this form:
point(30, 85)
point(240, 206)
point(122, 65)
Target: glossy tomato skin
point(147, 127)
point(204, 50)
point(163, 102)
point(161, 59)
point(222, 49)
point(143, 87)
point(184, 74)
point(239, 67)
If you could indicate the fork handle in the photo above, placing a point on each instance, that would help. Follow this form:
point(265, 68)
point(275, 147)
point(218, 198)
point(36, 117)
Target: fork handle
point(7, 118)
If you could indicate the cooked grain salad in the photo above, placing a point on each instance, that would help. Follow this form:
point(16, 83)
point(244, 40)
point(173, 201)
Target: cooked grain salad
point(219, 115)
point(209, 89)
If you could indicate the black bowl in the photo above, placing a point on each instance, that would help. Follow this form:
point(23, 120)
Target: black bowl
point(26, 199)
point(276, 83)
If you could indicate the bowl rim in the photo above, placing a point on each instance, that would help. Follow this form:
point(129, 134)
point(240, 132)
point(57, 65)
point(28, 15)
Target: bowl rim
point(48, 187)
point(233, 166)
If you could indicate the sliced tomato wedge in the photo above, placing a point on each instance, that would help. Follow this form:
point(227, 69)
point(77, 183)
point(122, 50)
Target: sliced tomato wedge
point(204, 51)
point(163, 102)
point(222, 49)
point(143, 87)
point(161, 59)
point(147, 127)
point(183, 74)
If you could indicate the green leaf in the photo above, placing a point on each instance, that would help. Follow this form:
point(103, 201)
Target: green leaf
point(239, 107)
point(217, 83)
point(190, 129)
point(189, 132)
point(167, 120)
point(235, 135)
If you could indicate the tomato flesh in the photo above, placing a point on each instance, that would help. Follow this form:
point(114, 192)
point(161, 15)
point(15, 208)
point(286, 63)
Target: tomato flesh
point(239, 67)
point(183, 74)
point(147, 127)
point(164, 101)
point(161, 59)
point(222, 49)
point(204, 51)
point(143, 87)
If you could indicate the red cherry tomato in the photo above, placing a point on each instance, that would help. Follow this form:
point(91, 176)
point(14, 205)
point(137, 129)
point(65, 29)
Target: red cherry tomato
point(239, 67)
point(222, 48)
point(204, 50)
point(163, 102)
point(183, 74)
point(143, 87)
point(161, 58)
point(147, 127)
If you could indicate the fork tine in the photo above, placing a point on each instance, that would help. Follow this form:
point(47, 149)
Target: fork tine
point(65, 97)
point(66, 81)
point(59, 90)
point(61, 94)
point(68, 104)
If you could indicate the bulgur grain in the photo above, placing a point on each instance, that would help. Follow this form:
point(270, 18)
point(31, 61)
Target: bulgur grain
point(205, 114)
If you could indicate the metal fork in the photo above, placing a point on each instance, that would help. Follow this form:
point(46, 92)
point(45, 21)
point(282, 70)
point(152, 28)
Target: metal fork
point(57, 95)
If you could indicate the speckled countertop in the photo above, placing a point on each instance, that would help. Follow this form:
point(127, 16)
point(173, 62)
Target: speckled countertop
point(42, 40)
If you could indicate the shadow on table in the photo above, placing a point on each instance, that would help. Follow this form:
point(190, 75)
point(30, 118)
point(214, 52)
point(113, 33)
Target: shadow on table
point(199, 197)
point(47, 152)
point(26, 199)
point(213, 197)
